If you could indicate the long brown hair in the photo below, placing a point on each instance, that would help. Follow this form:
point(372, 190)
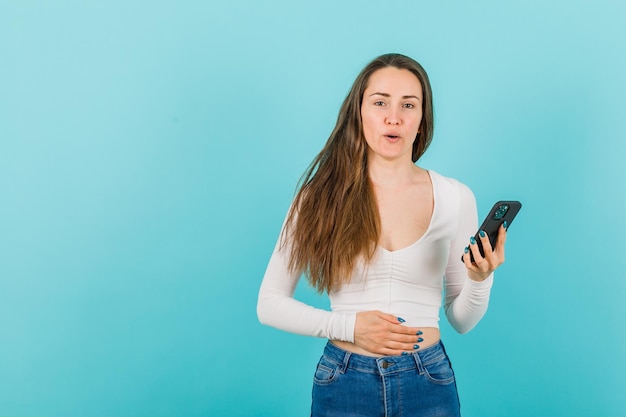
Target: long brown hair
point(334, 218)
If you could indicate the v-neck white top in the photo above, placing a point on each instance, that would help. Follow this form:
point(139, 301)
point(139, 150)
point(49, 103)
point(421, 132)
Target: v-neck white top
point(408, 282)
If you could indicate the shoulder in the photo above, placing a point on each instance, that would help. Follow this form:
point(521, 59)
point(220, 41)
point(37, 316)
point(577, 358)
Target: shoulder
point(457, 204)
point(451, 187)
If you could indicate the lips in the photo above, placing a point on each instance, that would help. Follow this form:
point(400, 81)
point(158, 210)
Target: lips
point(392, 135)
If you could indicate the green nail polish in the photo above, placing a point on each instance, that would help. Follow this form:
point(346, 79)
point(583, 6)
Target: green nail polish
point(401, 320)
point(416, 347)
point(466, 250)
point(482, 233)
point(505, 224)
point(419, 333)
point(404, 353)
point(472, 240)
point(419, 340)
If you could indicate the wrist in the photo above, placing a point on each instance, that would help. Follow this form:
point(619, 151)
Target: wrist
point(477, 277)
point(479, 282)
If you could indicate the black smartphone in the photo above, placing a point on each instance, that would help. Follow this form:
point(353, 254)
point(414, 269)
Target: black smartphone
point(502, 211)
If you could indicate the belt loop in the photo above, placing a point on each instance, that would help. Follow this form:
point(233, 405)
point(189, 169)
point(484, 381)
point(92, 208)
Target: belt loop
point(346, 359)
point(418, 362)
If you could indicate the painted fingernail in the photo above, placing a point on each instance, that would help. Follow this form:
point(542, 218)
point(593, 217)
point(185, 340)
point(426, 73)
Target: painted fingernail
point(416, 347)
point(401, 320)
point(419, 333)
point(505, 224)
point(466, 250)
point(482, 233)
point(404, 353)
point(472, 240)
point(419, 340)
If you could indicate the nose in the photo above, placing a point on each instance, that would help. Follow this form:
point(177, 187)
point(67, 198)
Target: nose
point(392, 117)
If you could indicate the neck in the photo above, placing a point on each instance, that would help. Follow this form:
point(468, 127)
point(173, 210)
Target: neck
point(389, 173)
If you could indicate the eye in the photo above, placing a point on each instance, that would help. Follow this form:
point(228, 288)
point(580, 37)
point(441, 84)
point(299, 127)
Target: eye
point(379, 103)
point(408, 105)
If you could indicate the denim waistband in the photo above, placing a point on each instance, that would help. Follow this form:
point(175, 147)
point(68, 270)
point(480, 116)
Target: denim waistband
point(385, 364)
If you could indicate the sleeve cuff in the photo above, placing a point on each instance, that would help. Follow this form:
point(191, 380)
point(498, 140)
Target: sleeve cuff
point(343, 327)
point(486, 284)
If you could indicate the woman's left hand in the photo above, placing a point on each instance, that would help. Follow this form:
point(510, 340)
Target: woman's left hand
point(482, 267)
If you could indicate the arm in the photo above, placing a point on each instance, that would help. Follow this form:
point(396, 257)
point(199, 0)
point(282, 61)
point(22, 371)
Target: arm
point(374, 331)
point(466, 299)
point(276, 306)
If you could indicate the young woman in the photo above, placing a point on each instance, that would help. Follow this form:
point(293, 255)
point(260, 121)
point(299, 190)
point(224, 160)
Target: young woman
point(383, 237)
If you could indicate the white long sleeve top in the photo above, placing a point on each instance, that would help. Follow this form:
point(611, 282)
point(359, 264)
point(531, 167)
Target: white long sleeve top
point(407, 282)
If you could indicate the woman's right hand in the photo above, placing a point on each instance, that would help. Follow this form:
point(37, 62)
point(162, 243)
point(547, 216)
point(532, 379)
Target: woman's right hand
point(383, 334)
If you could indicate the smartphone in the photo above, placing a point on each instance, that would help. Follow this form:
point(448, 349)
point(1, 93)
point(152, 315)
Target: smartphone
point(500, 212)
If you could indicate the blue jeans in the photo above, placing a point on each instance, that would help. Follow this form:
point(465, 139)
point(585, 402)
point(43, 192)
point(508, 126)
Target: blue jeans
point(417, 384)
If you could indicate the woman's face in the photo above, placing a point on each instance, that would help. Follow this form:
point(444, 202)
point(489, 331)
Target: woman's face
point(391, 111)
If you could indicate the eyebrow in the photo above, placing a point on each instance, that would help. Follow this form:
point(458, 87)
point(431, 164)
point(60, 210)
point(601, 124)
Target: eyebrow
point(389, 95)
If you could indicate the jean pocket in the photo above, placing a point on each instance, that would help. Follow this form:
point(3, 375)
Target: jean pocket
point(440, 371)
point(326, 371)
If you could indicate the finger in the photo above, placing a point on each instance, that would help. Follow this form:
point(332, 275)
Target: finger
point(484, 239)
point(400, 344)
point(498, 253)
point(403, 333)
point(467, 259)
point(390, 318)
point(385, 351)
point(478, 258)
point(406, 341)
point(407, 345)
point(502, 233)
point(398, 326)
point(492, 258)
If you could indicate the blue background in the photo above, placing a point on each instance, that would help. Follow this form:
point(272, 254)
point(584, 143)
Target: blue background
point(149, 151)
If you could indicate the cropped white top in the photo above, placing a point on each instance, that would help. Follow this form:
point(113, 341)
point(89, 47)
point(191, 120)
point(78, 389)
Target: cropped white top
point(407, 282)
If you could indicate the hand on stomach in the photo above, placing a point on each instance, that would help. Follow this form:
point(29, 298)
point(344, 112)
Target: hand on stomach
point(381, 334)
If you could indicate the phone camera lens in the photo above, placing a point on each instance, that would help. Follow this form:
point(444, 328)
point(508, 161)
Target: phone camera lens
point(501, 211)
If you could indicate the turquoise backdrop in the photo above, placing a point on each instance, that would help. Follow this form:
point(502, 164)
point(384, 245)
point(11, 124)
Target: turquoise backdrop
point(150, 149)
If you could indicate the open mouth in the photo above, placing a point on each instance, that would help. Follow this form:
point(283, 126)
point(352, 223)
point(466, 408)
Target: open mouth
point(392, 136)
